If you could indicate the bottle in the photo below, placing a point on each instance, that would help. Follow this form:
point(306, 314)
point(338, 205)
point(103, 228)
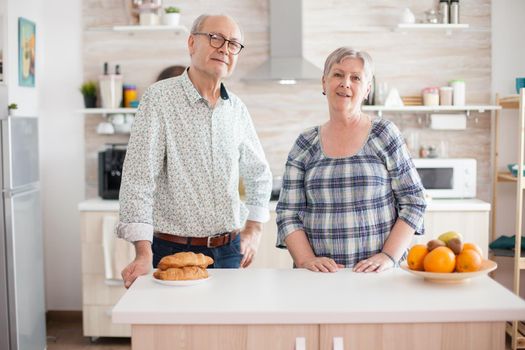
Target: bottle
point(454, 11)
point(443, 11)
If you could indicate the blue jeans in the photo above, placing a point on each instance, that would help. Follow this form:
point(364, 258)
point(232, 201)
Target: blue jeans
point(227, 256)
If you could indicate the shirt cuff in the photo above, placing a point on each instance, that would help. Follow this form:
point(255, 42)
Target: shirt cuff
point(259, 214)
point(132, 232)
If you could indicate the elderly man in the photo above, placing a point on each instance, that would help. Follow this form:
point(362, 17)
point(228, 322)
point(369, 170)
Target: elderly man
point(191, 141)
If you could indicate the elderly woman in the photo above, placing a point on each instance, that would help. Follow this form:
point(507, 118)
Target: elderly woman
point(351, 195)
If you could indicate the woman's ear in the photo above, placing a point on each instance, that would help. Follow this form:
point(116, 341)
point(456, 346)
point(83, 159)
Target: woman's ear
point(323, 83)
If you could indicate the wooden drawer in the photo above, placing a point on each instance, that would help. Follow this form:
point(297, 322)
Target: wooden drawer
point(97, 323)
point(225, 337)
point(96, 291)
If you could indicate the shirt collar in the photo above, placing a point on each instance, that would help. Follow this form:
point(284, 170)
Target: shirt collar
point(191, 92)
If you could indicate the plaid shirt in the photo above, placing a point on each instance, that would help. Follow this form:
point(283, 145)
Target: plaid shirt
point(348, 206)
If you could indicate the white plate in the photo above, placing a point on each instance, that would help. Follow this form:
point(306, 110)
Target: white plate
point(454, 277)
point(182, 283)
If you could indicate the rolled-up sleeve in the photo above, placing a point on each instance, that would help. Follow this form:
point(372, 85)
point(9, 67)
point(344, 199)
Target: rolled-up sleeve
point(406, 183)
point(255, 172)
point(292, 200)
point(144, 161)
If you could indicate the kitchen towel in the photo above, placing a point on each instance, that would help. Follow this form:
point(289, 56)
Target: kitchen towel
point(118, 253)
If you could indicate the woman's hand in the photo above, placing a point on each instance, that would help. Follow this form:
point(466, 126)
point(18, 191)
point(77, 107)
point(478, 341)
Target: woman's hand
point(375, 263)
point(321, 264)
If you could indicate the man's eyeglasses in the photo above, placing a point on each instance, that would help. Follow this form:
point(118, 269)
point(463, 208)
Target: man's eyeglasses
point(217, 41)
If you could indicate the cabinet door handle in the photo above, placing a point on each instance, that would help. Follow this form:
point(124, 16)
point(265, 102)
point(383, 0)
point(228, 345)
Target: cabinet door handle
point(300, 343)
point(338, 343)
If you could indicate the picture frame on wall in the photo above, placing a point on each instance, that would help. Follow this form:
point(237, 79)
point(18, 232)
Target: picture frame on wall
point(26, 52)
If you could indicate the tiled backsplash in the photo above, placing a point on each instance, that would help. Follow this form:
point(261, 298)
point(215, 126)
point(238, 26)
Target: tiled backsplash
point(407, 61)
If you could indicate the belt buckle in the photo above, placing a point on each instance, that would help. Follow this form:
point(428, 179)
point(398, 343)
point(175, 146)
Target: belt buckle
point(208, 242)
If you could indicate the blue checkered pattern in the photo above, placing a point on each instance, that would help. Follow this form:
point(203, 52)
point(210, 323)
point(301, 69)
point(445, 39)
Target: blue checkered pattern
point(348, 206)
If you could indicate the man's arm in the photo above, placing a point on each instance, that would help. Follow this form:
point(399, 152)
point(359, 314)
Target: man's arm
point(141, 265)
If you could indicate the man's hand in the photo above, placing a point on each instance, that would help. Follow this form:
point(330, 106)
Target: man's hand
point(141, 265)
point(250, 239)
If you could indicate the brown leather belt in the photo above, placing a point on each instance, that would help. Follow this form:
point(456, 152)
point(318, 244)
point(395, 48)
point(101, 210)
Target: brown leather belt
point(214, 241)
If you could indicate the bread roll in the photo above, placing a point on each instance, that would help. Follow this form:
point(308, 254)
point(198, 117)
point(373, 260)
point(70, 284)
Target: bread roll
point(181, 273)
point(184, 259)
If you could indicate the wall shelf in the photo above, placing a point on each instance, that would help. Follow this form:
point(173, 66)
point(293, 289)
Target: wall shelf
point(448, 28)
point(105, 111)
point(431, 109)
point(158, 28)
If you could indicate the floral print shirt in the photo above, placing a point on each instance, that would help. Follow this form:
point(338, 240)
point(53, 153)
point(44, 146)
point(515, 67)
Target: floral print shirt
point(183, 163)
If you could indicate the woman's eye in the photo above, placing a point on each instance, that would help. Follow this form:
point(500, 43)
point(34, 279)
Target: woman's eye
point(356, 78)
point(338, 75)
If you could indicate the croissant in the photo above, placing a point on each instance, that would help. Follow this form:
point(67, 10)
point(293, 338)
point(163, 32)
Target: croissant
point(182, 273)
point(184, 259)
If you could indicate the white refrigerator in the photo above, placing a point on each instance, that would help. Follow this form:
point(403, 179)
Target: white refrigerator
point(22, 308)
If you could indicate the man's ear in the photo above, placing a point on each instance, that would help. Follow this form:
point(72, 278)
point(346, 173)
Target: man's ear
point(191, 44)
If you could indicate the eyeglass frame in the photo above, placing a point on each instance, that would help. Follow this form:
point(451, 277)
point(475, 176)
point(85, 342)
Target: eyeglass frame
point(225, 41)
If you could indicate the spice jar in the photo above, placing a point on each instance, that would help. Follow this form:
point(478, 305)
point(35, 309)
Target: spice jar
point(430, 96)
point(130, 94)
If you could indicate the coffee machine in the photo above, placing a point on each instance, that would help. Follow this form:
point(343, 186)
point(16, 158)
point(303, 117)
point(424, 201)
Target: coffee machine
point(110, 162)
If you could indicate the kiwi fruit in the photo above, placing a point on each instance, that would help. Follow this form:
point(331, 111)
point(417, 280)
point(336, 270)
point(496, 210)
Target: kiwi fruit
point(456, 245)
point(435, 243)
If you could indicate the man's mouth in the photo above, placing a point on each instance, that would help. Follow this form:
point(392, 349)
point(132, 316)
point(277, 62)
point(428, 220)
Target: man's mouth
point(218, 59)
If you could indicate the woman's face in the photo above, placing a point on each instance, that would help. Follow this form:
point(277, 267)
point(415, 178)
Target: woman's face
point(346, 86)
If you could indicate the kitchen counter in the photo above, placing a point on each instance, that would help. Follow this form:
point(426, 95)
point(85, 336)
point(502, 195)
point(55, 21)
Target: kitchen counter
point(297, 296)
point(435, 205)
point(253, 298)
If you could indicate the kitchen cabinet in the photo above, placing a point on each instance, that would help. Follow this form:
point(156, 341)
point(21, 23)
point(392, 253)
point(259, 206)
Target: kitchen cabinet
point(517, 330)
point(99, 294)
point(277, 308)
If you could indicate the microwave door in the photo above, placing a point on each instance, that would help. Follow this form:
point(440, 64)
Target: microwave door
point(438, 182)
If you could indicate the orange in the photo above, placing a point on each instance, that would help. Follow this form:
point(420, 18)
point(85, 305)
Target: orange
point(473, 246)
point(415, 257)
point(468, 261)
point(441, 259)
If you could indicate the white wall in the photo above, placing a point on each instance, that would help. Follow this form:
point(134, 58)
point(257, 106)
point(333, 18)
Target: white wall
point(25, 97)
point(508, 62)
point(62, 151)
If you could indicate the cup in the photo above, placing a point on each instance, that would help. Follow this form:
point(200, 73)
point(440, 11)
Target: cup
point(105, 128)
point(520, 84)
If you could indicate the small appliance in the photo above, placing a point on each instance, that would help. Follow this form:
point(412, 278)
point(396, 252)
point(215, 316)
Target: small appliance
point(110, 162)
point(448, 177)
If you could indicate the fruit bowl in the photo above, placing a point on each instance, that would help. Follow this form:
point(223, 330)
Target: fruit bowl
point(454, 277)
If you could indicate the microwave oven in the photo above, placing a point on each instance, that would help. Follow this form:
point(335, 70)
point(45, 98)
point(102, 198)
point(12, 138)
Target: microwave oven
point(447, 177)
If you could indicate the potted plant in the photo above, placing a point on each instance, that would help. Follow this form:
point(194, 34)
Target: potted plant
point(11, 109)
point(171, 16)
point(89, 91)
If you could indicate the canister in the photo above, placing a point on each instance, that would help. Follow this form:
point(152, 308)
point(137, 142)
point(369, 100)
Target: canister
point(458, 97)
point(445, 95)
point(430, 96)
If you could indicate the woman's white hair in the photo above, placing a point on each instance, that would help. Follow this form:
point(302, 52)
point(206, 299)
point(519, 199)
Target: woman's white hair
point(341, 53)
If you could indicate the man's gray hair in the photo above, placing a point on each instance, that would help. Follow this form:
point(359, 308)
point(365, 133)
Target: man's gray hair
point(198, 23)
point(344, 52)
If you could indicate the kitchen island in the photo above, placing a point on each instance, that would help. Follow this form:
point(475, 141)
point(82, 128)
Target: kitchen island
point(254, 309)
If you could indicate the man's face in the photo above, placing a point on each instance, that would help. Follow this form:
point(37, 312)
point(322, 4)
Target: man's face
point(216, 62)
